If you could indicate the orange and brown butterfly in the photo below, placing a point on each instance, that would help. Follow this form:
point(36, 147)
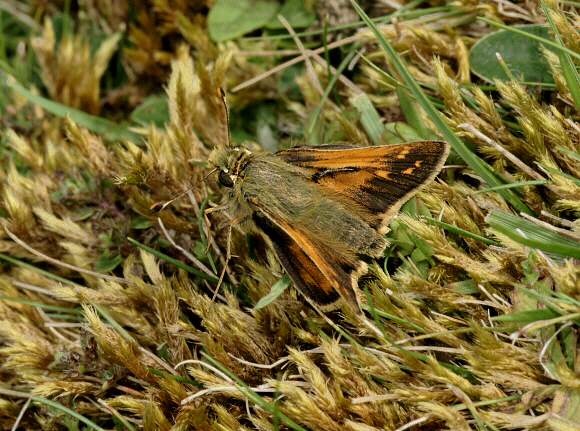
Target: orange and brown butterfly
point(322, 208)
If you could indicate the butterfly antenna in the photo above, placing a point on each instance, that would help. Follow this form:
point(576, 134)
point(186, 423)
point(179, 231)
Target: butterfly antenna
point(222, 95)
point(159, 206)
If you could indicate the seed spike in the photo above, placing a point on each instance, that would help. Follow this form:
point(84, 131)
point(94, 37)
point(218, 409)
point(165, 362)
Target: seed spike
point(222, 95)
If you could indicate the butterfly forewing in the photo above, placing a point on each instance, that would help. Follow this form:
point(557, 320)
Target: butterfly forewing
point(378, 179)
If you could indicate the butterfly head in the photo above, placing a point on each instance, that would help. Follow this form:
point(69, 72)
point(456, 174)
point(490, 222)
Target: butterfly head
point(229, 162)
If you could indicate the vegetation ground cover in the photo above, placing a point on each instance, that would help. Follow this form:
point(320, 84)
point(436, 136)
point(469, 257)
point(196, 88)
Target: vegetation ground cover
point(107, 107)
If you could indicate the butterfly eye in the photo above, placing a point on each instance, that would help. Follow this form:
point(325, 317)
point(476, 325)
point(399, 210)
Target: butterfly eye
point(225, 180)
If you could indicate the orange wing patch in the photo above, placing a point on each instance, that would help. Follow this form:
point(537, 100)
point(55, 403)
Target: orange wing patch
point(316, 274)
point(378, 179)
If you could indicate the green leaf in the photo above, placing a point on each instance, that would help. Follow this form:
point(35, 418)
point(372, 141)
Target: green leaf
point(154, 109)
point(527, 316)
point(266, 127)
point(465, 287)
point(229, 19)
point(141, 223)
point(397, 133)
point(295, 13)
point(287, 85)
point(276, 290)
point(390, 135)
point(163, 352)
point(106, 264)
point(522, 56)
point(83, 213)
point(418, 256)
point(557, 47)
point(369, 117)
point(412, 114)
point(565, 412)
point(399, 236)
point(407, 132)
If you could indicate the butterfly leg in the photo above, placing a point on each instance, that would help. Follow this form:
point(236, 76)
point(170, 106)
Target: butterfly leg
point(228, 254)
point(208, 223)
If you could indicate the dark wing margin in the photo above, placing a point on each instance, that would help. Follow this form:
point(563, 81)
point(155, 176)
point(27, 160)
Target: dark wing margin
point(379, 179)
point(316, 275)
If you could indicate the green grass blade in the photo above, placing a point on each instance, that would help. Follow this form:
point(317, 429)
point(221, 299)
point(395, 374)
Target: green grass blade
point(568, 152)
point(175, 262)
point(277, 289)
point(252, 395)
point(369, 117)
point(461, 232)
point(568, 68)
point(110, 130)
point(68, 411)
point(527, 316)
point(532, 235)
point(38, 270)
point(43, 306)
point(556, 171)
point(513, 185)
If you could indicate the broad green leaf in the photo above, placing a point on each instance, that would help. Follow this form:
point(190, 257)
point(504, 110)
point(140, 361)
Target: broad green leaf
point(565, 413)
point(465, 287)
point(369, 117)
point(276, 290)
point(229, 19)
point(154, 109)
point(287, 85)
point(141, 223)
point(295, 13)
point(390, 136)
point(163, 352)
point(412, 114)
point(266, 130)
point(106, 264)
point(83, 213)
point(522, 56)
point(407, 132)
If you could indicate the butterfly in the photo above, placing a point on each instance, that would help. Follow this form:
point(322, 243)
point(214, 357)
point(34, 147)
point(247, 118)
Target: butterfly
point(322, 208)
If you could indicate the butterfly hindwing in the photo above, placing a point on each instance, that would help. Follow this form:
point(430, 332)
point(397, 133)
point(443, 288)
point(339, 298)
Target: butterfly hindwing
point(378, 179)
point(316, 274)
